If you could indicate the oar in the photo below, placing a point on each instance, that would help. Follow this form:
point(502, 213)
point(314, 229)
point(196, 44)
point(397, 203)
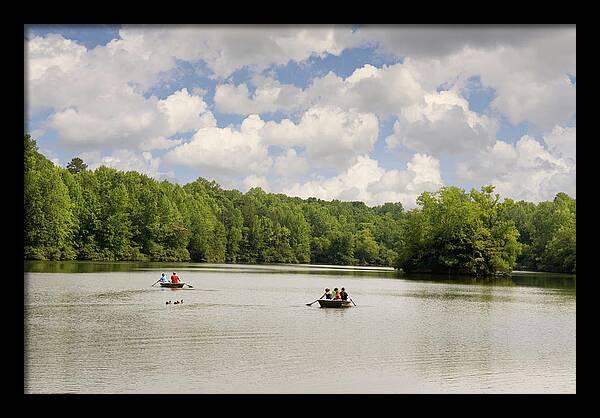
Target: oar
point(191, 287)
point(352, 302)
point(156, 282)
point(310, 304)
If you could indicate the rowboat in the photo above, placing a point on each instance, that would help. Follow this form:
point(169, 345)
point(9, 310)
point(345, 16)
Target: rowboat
point(172, 285)
point(330, 303)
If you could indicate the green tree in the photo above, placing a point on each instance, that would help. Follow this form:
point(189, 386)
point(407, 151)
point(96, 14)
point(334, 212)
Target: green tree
point(367, 249)
point(560, 252)
point(341, 249)
point(106, 214)
point(456, 232)
point(76, 165)
point(49, 221)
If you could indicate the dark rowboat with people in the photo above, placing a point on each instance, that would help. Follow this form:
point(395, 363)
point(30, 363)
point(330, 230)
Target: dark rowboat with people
point(172, 285)
point(330, 303)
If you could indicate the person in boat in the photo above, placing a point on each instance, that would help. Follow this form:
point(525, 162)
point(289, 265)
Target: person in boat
point(174, 278)
point(344, 294)
point(163, 279)
point(327, 294)
point(337, 294)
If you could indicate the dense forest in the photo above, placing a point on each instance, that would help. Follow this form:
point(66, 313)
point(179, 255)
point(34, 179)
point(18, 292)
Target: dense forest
point(74, 213)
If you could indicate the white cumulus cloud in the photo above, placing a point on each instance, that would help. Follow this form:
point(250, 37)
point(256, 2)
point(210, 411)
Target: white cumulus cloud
point(225, 49)
point(99, 100)
point(225, 151)
point(127, 160)
point(127, 119)
point(269, 96)
point(528, 170)
point(255, 181)
point(330, 136)
point(291, 165)
point(443, 124)
point(368, 182)
point(383, 91)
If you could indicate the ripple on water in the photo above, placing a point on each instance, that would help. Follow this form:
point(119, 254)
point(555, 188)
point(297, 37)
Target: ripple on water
point(252, 333)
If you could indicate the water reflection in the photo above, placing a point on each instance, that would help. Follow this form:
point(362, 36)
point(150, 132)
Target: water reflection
point(95, 267)
point(250, 332)
point(524, 279)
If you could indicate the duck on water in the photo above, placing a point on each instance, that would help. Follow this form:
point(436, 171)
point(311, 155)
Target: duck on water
point(177, 302)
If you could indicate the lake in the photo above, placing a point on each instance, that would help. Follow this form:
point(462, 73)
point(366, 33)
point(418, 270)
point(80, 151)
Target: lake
point(102, 328)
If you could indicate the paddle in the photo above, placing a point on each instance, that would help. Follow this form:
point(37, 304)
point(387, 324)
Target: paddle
point(352, 302)
point(156, 282)
point(191, 287)
point(310, 304)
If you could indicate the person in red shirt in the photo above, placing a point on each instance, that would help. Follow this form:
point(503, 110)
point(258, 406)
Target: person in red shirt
point(174, 278)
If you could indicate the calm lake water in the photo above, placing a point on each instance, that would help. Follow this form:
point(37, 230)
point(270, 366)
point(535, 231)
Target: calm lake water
point(101, 328)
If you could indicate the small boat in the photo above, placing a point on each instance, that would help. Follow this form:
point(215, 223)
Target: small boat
point(330, 303)
point(172, 285)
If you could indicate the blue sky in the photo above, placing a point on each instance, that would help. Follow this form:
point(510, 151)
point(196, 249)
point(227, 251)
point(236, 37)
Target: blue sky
point(459, 117)
point(88, 35)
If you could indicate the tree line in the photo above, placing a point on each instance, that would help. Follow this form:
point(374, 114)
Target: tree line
point(74, 213)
